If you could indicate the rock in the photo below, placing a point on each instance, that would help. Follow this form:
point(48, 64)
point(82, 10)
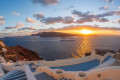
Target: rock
point(88, 54)
point(2, 44)
point(117, 56)
point(119, 50)
point(103, 52)
point(21, 54)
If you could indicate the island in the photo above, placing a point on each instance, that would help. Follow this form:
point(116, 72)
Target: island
point(59, 34)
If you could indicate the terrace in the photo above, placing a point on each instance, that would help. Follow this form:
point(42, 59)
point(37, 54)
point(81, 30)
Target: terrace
point(65, 69)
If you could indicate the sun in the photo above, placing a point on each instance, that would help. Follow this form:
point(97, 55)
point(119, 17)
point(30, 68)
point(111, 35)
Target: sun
point(85, 31)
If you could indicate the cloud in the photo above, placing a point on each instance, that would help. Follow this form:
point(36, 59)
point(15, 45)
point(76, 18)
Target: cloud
point(118, 21)
point(91, 19)
point(101, 20)
point(70, 7)
point(80, 14)
point(109, 1)
point(52, 20)
point(19, 25)
point(94, 27)
point(109, 13)
point(38, 25)
point(105, 14)
point(80, 17)
point(87, 14)
point(87, 17)
point(2, 20)
point(30, 20)
point(104, 8)
point(119, 7)
point(45, 2)
point(39, 15)
point(68, 20)
point(27, 28)
point(83, 20)
point(15, 13)
point(59, 19)
point(114, 12)
point(15, 27)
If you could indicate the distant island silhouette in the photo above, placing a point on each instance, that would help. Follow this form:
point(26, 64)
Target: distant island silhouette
point(58, 34)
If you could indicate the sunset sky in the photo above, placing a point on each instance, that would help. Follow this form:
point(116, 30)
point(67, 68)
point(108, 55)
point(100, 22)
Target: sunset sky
point(24, 17)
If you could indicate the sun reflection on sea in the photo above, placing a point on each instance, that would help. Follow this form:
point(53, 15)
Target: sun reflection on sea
point(83, 47)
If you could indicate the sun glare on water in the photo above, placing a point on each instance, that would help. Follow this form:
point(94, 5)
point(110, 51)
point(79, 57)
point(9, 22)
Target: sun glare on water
point(85, 31)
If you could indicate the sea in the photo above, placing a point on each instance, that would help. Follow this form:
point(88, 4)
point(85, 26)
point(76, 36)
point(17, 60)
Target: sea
point(51, 48)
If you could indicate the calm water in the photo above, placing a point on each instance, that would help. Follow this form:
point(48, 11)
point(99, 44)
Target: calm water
point(52, 48)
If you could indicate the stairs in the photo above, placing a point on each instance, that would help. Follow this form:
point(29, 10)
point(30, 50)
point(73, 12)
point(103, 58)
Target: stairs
point(16, 75)
point(106, 59)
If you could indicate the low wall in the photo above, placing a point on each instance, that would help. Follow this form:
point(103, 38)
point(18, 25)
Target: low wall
point(66, 62)
point(63, 62)
point(108, 73)
point(98, 74)
point(72, 61)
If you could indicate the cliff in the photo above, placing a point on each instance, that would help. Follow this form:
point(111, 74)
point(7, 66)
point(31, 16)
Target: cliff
point(20, 53)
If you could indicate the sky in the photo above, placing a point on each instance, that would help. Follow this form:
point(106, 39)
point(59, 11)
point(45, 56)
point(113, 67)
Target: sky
point(25, 17)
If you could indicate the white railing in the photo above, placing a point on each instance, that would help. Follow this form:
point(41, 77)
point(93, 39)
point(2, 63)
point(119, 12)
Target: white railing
point(105, 64)
point(25, 68)
point(1, 71)
point(108, 54)
point(29, 74)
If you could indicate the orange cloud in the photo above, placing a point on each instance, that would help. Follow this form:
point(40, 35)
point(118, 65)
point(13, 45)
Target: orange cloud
point(30, 20)
point(96, 29)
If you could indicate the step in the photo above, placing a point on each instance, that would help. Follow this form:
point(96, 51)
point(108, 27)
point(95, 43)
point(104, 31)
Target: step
point(16, 73)
point(16, 77)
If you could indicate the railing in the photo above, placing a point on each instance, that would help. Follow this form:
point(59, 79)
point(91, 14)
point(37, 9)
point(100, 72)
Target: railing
point(25, 68)
point(105, 64)
point(108, 54)
point(29, 74)
point(1, 71)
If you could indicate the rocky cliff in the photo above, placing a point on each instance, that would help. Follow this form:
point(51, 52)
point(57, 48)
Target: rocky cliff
point(20, 53)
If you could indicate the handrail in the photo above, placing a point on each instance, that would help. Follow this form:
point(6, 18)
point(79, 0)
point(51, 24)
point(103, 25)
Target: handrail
point(25, 68)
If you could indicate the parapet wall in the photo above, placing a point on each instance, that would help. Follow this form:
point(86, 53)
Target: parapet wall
point(98, 74)
point(70, 61)
point(107, 73)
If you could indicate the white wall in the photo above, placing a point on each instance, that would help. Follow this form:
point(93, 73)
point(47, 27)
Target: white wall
point(112, 73)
